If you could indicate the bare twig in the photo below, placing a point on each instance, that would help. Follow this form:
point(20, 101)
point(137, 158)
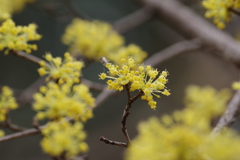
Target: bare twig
point(8, 124)
point(172, 51)
point(133, 20)
point(27, 56)
point(124, 120)
point(230, 114)
point(126, 112)
point(24, 133)
point(194, 26)
point(107, 141)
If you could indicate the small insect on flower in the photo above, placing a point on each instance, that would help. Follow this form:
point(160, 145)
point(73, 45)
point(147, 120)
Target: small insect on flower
point(104, 60)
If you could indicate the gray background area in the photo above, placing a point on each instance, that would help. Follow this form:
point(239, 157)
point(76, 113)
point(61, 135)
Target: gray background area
point(191, 68)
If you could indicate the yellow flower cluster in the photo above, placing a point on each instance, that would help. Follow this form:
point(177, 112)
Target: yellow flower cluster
point(63, 138)
point(140, 77)
point(7, 102)
point(97, 39)
point(183, 135)
point(200, 98)
point(220, 10)
point(126, 52)
point(57, 101)
point(14, 37)
point(62, 71)
point(8, 7)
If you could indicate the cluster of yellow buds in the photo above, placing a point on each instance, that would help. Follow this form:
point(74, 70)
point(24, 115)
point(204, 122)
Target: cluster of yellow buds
point(68, 70)
point(140, 77)
point(98, 39)
point(220, 10)
point(7, 102)
point(58, 101)
point(64, 138)
point(15, 38)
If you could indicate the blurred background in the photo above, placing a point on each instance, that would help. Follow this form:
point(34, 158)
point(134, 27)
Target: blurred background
point(52, 17)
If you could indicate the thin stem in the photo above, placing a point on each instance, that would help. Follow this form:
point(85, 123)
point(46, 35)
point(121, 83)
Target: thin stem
point(127, 112)
point(107, 141)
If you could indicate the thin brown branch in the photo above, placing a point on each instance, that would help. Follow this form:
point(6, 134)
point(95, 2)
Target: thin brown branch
point(127, 112)
point(29, 57)
point(107, 141)
point(235, 11)
point(191, 25)
point(230, 115)
point(8, 124)
point(133, 20)
point(24, 133)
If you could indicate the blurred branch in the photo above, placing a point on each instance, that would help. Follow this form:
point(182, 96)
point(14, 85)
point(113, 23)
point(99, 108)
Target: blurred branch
point(8, 124)
point(235, 11)
point(172, 51)
point(93, 85)
point(190, 24)
point(133, 20)
point(230, 114)
point(24, 133)
point(27, 56)
point(75, 12)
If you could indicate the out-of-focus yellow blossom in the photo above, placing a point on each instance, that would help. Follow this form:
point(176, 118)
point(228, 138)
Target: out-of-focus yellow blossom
point(220, 11)
point(7, 102)
point(14, 37)
point(55, 101)
point(236, 85)
point(8, 7)
point(140, 77)
point(208, 101)
point(125, 52)
point(97, 39)
point(62, 71)
point(157, 140)
point(186, 133)
point(91, 39)
point(64, 139)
